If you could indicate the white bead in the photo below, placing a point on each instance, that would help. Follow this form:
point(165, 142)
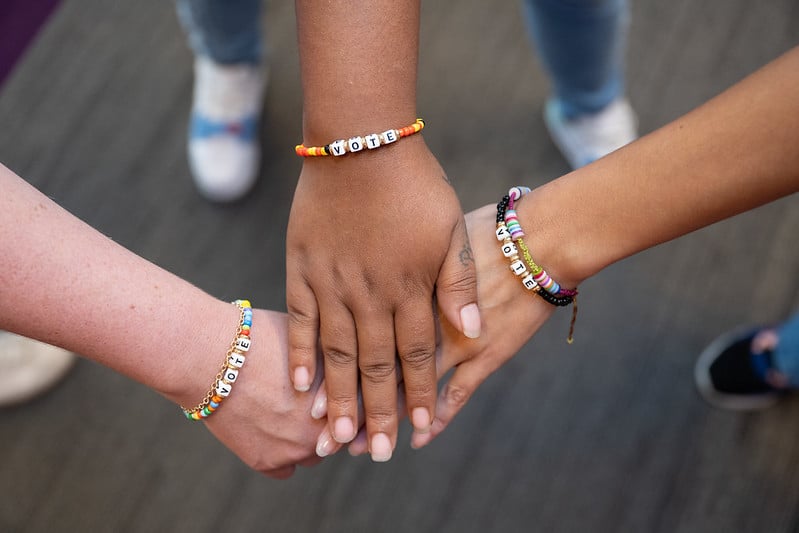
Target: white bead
point(502, 233)
point(236, 360)
point(230, 375)
point(337, 147)
point(223, 389)
point(243, 343)
point(528, 282)
point(389, 136)
point(509, 249)
point(518, 268)
point(372, 141)
point(355, 144)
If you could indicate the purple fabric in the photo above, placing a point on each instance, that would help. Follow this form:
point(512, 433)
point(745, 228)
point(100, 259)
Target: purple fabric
point(19, 22)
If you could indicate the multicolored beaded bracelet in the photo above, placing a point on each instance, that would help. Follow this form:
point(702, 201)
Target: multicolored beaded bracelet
point(510, 233)
point(229, 373)
point(356, 144)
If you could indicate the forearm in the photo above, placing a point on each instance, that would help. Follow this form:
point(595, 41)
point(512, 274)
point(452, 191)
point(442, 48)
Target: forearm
point(734, 153)
point(65, 283)
point(358, 66)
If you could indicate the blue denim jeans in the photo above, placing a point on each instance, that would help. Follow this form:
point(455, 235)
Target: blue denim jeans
point(786, 355)
point(581, 42)
point(227, 31)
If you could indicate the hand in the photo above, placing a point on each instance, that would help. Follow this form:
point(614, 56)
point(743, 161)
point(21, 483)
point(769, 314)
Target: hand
point(370, 235)
point(511, 316)
point(264, 421)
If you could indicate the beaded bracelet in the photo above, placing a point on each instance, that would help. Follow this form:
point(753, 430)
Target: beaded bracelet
point(510, 233)
point(229, 373)
point(356, 144)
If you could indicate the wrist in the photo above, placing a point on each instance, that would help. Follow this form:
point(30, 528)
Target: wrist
point(552, 239)
point(196, 361)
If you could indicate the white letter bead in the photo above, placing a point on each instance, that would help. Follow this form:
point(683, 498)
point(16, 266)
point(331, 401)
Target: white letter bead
point(390, 136)
point(355, 144)
point(243, 343)
point(518, 268)
point(528, 282)
point(337, 147)
point(509, 249)
point(230, 375)
point(223, 389)
point(236, 360)
point(502, 233)
point(372, 141)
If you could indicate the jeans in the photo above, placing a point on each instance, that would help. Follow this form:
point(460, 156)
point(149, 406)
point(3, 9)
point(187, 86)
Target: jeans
point(581, 42)
point(786, 355)
point(226, 31)
point(582, 45)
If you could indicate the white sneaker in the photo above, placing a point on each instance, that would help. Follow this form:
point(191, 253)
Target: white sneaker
point(586, 138)
point(224, 148)
point(29, 368)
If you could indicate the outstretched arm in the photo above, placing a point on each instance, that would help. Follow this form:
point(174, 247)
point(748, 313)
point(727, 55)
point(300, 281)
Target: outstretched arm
point(64, 283)
point(373, 234)
point(734, 153)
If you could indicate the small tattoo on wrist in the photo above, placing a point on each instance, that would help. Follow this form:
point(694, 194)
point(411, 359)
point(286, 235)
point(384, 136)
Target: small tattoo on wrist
point(466, 255)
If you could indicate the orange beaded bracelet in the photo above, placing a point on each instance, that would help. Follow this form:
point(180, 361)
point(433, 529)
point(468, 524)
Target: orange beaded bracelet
point(356, 144)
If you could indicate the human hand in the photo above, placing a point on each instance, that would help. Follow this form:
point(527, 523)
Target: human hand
point(370, 235)
point(264, 421)
point(511, 316)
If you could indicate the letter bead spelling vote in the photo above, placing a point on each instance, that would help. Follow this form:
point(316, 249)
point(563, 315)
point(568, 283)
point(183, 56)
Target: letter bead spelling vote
point(236, 360)
point(503, 233)
point(389, 136)
point(529, 283)
point(518, 267)
point(338, 148)
point(372, 141)
point(243, 344)
point(355, 144)
point(223, 389)
point(509, 249)
point(230, 375)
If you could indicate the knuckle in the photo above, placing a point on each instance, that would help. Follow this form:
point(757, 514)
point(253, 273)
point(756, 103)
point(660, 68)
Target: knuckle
point(338, 357)
point(378, 372)
point(380, 418)
point(300, 316)
point(456, 396)
point(464, 281)
point(416, 355)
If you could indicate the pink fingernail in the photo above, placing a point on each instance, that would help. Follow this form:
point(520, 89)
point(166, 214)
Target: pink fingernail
point(343, 430)
point(302, 379)
point(470, 321)
point(380, 448)
point(324, 445)
point(420, 418)
point(319, 409)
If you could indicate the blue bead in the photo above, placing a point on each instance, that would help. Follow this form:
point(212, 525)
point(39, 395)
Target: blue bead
point(214, 405)
point(247, 322)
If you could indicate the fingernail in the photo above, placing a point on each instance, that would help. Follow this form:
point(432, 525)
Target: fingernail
point(302, 379)
point(420, 418)
point(380, 448)
point(319, 408)
point(470, 321)
point(343, 430)
point(324, 445)
point(419, 440)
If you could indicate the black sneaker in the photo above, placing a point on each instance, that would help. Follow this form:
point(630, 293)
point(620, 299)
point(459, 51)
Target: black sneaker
point(726, 375)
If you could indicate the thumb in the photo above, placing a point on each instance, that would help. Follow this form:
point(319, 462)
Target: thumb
point(456, 287)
